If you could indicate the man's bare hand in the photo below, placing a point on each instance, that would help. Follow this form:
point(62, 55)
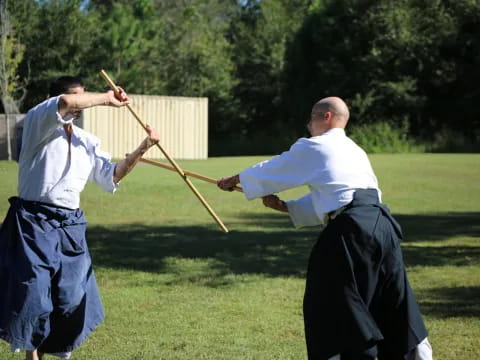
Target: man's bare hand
point(117, 99)
point(274, 202)
point(228, 183)
point(153, 136)
point(126, 165)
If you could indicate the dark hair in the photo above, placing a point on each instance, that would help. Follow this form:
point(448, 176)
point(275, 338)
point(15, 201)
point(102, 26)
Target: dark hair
point(63, 84)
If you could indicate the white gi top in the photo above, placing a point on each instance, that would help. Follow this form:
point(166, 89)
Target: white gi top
point(47, 171)
point(332, 166)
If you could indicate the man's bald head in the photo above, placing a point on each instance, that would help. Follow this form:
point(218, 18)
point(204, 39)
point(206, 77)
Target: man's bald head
point(328, 113)
point(336, 106)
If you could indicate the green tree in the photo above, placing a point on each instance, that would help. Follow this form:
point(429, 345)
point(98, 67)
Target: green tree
point(11, 55)
point(58, 35)
point(198, 57)
point(407, 62)
point(129, 45)
point(260, 35)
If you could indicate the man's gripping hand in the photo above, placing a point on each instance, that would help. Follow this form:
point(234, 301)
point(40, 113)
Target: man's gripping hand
point(153, 137)
point(228, 183)
point(274, 202)
point(117, 99)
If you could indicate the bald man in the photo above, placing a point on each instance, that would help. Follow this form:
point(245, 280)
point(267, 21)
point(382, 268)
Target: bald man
point(358, 303)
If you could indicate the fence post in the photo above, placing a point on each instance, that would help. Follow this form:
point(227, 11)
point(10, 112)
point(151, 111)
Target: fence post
point(9, 140)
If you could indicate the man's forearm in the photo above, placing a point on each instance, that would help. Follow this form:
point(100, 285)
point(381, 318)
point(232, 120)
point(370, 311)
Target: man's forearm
point(127, 164)
point(71, 102)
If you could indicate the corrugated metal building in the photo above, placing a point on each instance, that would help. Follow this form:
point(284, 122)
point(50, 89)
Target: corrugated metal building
point(181, 121)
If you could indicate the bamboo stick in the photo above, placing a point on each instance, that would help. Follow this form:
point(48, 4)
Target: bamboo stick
point(174, 164)
point(186, 172)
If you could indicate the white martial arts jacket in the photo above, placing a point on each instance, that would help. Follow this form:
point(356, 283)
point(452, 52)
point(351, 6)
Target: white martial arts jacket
point(331, 165)
point(48, 171)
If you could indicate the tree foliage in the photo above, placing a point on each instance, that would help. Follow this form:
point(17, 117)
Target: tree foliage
point(129, 46)
point(260, 34)
point(11, 55)
point(393, 60)
point(411, 64)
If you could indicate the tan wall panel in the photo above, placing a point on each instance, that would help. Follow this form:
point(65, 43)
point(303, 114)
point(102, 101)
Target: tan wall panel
point(181, 121)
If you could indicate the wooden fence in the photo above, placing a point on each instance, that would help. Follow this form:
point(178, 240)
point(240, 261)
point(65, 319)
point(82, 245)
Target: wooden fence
point(181, 121)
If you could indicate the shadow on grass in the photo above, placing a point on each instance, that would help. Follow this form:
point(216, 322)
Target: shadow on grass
point(438, 227)
point(450, 302)
point(275, 250)
point(204, 256)
point(441, 255)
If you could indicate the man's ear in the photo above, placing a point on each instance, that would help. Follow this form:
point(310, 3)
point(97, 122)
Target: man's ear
point(328, 116)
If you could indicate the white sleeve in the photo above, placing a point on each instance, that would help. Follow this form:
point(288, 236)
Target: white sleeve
point(40, 124)
point(103, 171)
point(302, 213)
point(290, 169)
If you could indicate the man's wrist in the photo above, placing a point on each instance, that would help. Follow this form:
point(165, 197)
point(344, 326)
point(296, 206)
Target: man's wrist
point(237, 179)
point(106, 99)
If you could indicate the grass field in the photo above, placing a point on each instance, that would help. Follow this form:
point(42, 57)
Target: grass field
point(175, 287)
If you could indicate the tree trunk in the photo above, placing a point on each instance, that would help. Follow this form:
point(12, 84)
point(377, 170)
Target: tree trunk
point(9, 105)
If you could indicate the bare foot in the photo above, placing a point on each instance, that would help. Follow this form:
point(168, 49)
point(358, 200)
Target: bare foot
point(32, 355)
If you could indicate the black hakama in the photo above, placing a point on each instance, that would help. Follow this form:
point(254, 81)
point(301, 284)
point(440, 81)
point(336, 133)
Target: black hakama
point(358, 301)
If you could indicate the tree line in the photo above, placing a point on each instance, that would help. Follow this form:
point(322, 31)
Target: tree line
point(408, 69)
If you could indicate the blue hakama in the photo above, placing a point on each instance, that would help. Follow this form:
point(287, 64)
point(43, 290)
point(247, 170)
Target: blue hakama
point(49, 299)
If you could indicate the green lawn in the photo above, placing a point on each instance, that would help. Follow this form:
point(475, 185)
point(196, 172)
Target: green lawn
point(175, 287)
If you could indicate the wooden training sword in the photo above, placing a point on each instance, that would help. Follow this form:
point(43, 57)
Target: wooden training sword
point(186, 172)
point(174, 164)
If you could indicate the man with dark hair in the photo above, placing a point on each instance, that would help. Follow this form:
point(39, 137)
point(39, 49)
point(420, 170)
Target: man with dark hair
point(358, 304)
point(63, 84)
point(49, 301)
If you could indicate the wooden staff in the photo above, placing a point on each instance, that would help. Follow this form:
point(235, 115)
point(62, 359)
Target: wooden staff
point(186, 172)
point(174, 164)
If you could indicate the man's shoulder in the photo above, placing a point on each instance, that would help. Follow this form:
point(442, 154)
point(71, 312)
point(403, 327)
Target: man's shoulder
point(43, 105)
point(312, 142)
point(303, 143)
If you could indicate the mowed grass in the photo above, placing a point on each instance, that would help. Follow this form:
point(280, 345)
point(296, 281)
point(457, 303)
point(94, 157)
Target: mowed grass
point(175, 287)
